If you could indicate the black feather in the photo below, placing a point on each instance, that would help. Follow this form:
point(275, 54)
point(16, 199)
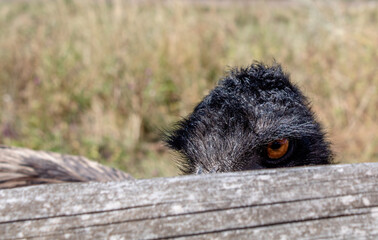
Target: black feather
point(230, 129)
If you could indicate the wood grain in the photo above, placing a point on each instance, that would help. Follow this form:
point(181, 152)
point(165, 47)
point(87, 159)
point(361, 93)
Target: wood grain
point(322, 202)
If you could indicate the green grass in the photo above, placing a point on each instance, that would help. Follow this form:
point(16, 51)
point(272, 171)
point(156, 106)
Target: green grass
point(102, 78)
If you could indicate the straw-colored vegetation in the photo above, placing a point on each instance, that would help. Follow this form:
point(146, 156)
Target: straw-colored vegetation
point(102, 78)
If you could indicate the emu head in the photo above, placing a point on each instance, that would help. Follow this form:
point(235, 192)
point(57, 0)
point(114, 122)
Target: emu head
point(255, 118)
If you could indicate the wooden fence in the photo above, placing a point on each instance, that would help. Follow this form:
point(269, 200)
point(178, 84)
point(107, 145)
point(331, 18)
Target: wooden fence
point(322, 202)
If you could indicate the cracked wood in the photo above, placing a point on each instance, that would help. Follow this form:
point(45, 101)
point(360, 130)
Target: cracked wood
point(323, 202)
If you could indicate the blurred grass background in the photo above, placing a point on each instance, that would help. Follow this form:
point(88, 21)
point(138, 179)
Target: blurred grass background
point(102, 78)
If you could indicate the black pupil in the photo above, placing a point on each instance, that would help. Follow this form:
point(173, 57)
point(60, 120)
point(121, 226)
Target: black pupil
point(275, 145)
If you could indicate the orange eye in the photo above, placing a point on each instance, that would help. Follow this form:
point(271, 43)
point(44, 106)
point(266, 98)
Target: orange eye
point(278, 148)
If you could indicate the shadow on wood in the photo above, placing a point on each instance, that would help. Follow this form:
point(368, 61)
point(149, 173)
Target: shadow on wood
point(323, 202)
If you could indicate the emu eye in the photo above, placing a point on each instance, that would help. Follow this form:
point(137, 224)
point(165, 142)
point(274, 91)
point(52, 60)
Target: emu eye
point(278, 148)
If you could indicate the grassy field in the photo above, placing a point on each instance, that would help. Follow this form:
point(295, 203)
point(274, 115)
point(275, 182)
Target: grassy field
point(103, 78)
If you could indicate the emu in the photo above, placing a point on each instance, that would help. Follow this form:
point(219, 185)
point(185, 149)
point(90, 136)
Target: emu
point(254, 118)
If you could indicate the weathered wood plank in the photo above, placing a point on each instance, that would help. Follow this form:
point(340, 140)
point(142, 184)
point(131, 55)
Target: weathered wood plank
point(324, 202)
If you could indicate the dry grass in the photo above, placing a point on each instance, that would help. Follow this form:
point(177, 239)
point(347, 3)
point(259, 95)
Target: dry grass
point(100, 78)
